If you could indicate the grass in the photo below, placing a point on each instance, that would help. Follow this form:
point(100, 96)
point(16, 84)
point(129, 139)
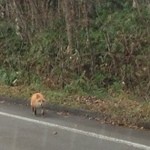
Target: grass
point(119, 110)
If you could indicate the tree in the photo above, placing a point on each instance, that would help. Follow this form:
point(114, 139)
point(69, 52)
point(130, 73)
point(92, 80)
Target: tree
point(68, 8)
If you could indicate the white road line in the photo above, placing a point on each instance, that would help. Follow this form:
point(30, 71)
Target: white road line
point(82, 132)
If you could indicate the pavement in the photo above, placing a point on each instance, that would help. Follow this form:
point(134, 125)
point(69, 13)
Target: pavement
point(21, 130)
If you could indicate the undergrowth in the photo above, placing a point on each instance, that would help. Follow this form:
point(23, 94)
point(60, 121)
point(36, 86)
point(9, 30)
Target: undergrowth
point(109, 56)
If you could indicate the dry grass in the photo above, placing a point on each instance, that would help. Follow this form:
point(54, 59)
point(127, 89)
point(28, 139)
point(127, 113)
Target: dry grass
point(117, 111)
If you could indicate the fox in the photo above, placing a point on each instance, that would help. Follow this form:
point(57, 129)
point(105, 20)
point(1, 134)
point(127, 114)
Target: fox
point(37, 101)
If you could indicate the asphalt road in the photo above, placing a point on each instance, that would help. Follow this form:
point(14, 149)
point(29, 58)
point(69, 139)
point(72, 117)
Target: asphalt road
point(20, 130)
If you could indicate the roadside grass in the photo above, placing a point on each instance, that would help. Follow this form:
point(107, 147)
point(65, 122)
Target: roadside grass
point(118, 110)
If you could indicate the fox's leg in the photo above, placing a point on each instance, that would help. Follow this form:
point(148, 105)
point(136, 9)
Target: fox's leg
point(42, 111)
point(33, 110)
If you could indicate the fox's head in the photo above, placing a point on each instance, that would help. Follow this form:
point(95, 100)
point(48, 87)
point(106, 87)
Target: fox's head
point(41, 102)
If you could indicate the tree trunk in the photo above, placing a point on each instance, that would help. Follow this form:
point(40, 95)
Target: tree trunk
point(134, 4)
point(68, 12)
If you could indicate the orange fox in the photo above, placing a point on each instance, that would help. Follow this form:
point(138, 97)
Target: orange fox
point(37, 101)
